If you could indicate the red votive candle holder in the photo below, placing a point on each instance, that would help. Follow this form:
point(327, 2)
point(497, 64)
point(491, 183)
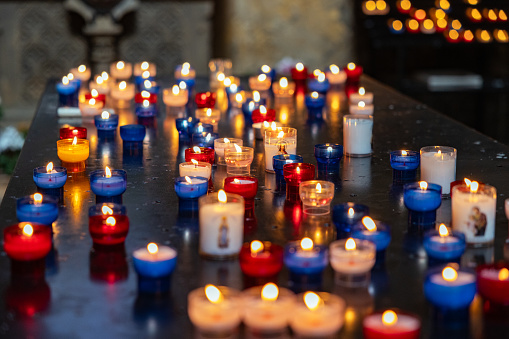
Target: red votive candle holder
point(205, 100)
point(299, 75)
point(98, 97)
point(108, 263)
point(264, 115)
point(108, 223)
point(391, 324)
point(27, 241)
point(353, 72)
point(245, 186)
point(261, 259)
point(200, 154)
point(493, 282)
point(70, 132)
point(295, 174)
point(139, 98)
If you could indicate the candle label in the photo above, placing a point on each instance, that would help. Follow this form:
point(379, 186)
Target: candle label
point(475, 218)
point(223, 240)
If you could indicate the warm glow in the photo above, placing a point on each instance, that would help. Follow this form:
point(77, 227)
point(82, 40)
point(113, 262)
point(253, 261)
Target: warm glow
point(105, 115)
point(280, 135)
point(107, 171)
point(266, 124)
point(75, 141)
point(467, 182)
point(440, 14)
point(182, 85)
point(147, 84)
point(361, 104)
point(188, 179)
point(475, 14)
point(213, 294)
point(318, 188)
point(262, 77)
point(94, 93)
point(299, 66)
point(256, 96)
point(502, 16)
point(381, 5)
point(195, 163)
point(105, 76)
point(265, 69)
point(351, 66)
point(350, 244)
point(405, 5)
point(442, 230)
point(144, 66)
point(256, 246)
point(82, 68)
point(106, 210)
point(474, 186)
point(184, 71)
point(468, 35)
point(226, 140)
point(186, 65)
point(65, 81)
point(238, 149)
point(221, 77)
point(145, 94)
point(306, 244)
point(428, 24)
point(297, 170)
point(145, 74)
point(146, 103)
point(283, 82)
point(334, 69)
point(492, 15)
point(239, 97)
point(449, 274)
point(473, 2)
point(314, 95)
point(329, 149)
point(120, 65)
point(362, 91)
point(122, 85)
point(444, 4)
point(321, 77)
point(370, 5)
point(233, 87)
point(503, 274)
point(221, 196)
point(404, 153)
point(227, 82)
point(209, 112)
point(456, 24)
point(152, 248)
point(208, 137)
point(501, 35)
point(420, 14)
point(441, 23)
point(351, 212)
point(110, 221)
point(413, 24)
point(312, 300)
point(91, 102)
point(423, 185)
point(28, 230)
point(49, 167)
point(196, 150)
point(270, 292)
point(37, 198)
point(236, 181)
point(263, 109)
point(273, 126)
point(369, 224)
point(389, 318)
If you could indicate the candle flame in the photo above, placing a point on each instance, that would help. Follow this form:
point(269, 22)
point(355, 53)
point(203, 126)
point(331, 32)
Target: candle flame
point(82, 68)
point(186, 65)
point(70, 76)
point(120, 65)
point(209, 112)
point(221, 196)
point(226, 140)
point(449, 274)
point(184, 71)
point(256, 246)
point(75, 141)
point(37, 198)
point(28, 230)
point(503, 274)
point(314, 95)
point(334, 69)
point(369, 224)
point(238, 149)
point(105, 76)
point(256, 96)
point(221, 77)
point(49, 167)
point(182, 85)
point(362, 91)
point(298, 170)
point(145, 74)
point(321, 77)
point(236, 181)
point(316, 72)
point(299, 66)
point(423, 185)
point(318, 188)
point(145, 94)
point(238, 97)
point(227, 82)
point(144, 66)
point(105, 115)
point(207, 138)
point(196, 150)
point(147, 84)
point(233, 88)
point(329, 149)
point(361, 104)
point(283, 82)
point(146, 103)
point(474, 186)
point(350, 244)
point(281, 134)
point(152, 248)
point(351, 212)
point(442, 230)
point(110, 221)
point(263, 109)
point(467, 182)
point(188, 179)
point(265, 68)
point(108, 172)
point(439, 152)
point(389, 318)
point(213, 294)
point(106, 210)
point(273, 126)
point(91, 102)
point(351, 66)
point(312, 300)
point(122, 85)
point(270, 292)
point(306, 244)
point(74, 131)
point(65, 80)
point(404, 153)
point(194, 162)
point(94, 93)
point(99, 80)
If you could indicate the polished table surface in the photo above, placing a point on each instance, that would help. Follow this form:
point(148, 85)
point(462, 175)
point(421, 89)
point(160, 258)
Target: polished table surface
point(85, 296)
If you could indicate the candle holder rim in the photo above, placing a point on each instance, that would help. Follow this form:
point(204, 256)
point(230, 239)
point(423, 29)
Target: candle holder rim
point(29, 200)
point(174, 252)
point(69, 141)
point(99, 172)
point(438, 269)
point(241, 177)
point(328, 298)
point(183, 178)
point(415, 185)
point(358, 243)
point(484, 189)
point(410, 153)
point(117, 208)
point(397, 311)
point(358, 117)
point(213, 198)
point(380, 225)
point(41, 170)
point(443, 149)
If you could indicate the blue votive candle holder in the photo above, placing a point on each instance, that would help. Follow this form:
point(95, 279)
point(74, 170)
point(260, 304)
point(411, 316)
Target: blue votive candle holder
point(204, 139)
point(250, 105)
point(185, 125)
point(444, 245)
point(106, 121)
point(346, 215)
point(145, 109)
point(37, 208)
point(422, 200)
point(154, 265)
point(320, 85)
point(152, 87)
point(188, 188)
point(268, 71)
point(315, 103)
point(328, 157)
point(67, 93)
point(133, 132)
point(404, 165)
point(306, 262)
point(106, 187)
point(375, 231)
point(54, 178)
point(201, 127)
point(139, 80)
point(278, 162)
point(190, 82)
point(449, 288)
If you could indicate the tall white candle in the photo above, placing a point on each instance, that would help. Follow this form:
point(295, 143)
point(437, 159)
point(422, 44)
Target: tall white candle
point(438, 166)
point(278, 140)
point(357, 134)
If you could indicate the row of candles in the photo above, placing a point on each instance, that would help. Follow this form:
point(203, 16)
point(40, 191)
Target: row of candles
point(222, 214)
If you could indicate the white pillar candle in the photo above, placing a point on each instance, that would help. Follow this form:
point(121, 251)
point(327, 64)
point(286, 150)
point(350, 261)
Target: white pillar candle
point(195, 169)
point(352, 256)
point(335, 75)
point(362, 108)
point(362, 95)
point(279, 140)
point(221, 225)
point(357, 135)
point(438, 166)
point(473, 212)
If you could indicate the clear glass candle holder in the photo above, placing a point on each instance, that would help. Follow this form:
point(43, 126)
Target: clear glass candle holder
point(438, 165)
point(357, 135)
point(221, 144)
point(316, 196)
point(282, 140)
point(238, 163)
point(352, 265)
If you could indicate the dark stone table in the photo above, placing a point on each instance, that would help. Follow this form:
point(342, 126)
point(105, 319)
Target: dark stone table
point(92, 293)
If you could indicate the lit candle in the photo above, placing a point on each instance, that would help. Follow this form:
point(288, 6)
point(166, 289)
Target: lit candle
point(353, 72)
point(375, 231)
point(221, 144)
point(305, 258)
point(204, 139)
point(47, 177)
point(144, 95)
point(208, 115)
point(154, 265)
point(352, 259)
point(270, 72)
point(144, 81)
point(319, 84)
point(37, 208)
point(357, 135)
point(101, 98)
point(191, 187)
point(450, 288)
point(362, 95)
point(250, 104)
point(328, 156)
point(390, 325)
point(185, 126)
point(245, 186)
point(299, 72)
point(493, 283)
point(315, 103)
point(361, 108)
point(195, 168)
point(283, 89)
point(438, 165)
point(267, 309)
point(106, 121)
point(123, 91)
point(70, 132)
point(346, 215)
point(261, 259)
point(184, 71)
point(316, 196)
point(404, 164)
point(278, 163)
point(214, 309)
point(108, 224)
point(443, 244)
point(294, 174)
point(27, 241)
point(200, 154)
point(108, 183)
point(73, 153)
point(260, 82)
point(335, 75)
point(238, 160)
point(145, 66)
point(279, 140)
point(221, 225)
point(175, 97)
point(100, 84)
point(121, 70)
point(422, 200)
point(317, 314)
point(91, 107)
point(473, 212)
point(67, 93)
point(82, 73)
point(145, 109)
point(200, 127)
point(205, 100)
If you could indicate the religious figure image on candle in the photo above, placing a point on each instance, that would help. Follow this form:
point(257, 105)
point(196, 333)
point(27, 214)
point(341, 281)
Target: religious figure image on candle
point(477, 222)
point(222, 241)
